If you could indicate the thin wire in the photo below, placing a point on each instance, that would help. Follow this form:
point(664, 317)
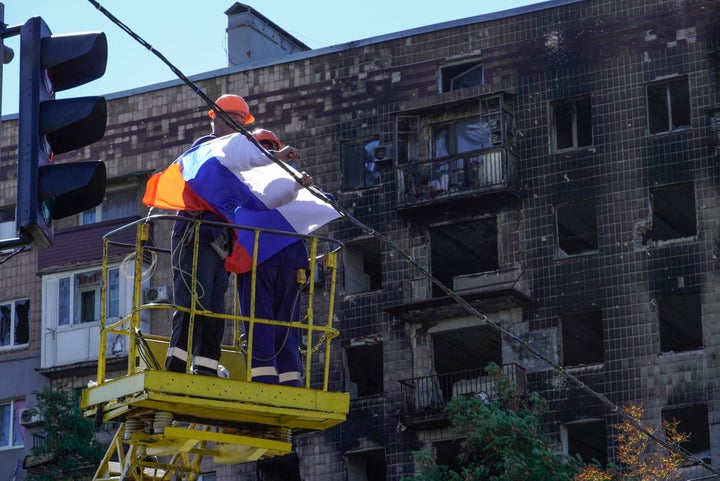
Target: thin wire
point(344, 213)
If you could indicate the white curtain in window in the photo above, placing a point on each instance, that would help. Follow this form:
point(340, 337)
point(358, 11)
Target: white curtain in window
point(472, 134)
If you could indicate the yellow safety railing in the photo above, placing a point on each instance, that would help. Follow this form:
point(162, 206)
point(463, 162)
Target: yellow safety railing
point(318, 332)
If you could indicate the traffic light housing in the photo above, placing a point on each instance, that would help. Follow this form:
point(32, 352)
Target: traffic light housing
point(47, 127)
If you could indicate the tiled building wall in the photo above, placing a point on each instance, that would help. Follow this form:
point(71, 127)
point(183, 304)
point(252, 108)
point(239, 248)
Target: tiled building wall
point(606, 49)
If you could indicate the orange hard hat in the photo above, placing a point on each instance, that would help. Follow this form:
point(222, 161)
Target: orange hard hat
point(267, 136)
point(233, 104)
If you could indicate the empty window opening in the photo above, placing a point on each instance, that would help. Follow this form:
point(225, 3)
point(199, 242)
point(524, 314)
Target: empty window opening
point(577, 228)
point(471, 348)
point(582, 338)
point(447, 454)
point(284, 468)
point(368, 465)
point(460, 249)
point(362, 266)
point(680, 319)
point(359, 169)
point(586, 438)
point(406, 131)
point(461, 75)
point(693, 420)
point(365, 367)
point(673, 213)
point(668, 104)
point(572, 123)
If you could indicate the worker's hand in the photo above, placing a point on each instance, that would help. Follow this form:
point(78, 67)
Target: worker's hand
point(288, 153)
point(306, 180)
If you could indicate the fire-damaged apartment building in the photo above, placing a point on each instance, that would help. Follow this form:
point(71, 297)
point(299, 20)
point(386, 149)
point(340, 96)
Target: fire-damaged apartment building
point(555, 165)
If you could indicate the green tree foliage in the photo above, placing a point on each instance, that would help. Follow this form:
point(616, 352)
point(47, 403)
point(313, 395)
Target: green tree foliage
point(70, 447)
point(502, 440)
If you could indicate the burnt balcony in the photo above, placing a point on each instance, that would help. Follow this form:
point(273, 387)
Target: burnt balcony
point(457, 177)
point(424, 399)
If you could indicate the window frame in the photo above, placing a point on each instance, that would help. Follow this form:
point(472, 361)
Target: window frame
point(57, 305)
point(15, 429)
point(574, 121)
point(98, 213)
point(359, 173)
point(8, 222)
point(13, 324)
point(674, 107)
point(450, 73)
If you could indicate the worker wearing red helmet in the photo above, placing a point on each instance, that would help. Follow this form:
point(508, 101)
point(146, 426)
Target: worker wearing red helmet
point(276, 349)
point(267, 139)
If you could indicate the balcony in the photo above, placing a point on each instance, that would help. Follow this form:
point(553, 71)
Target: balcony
point(424, 399)
point(457, 177)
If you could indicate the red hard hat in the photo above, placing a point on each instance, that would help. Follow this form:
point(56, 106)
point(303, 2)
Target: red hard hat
point(267, 135)
point(233, 104)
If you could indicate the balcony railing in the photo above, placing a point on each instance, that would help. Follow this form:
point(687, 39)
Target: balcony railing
point(460, 175)
point(425, 398)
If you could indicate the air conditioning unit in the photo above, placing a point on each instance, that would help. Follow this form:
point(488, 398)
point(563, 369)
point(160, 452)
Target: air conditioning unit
point(383, 153)
point(157, 295)
point(30, 417)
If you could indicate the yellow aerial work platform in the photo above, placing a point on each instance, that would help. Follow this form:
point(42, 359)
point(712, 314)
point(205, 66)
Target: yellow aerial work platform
point(170, 421)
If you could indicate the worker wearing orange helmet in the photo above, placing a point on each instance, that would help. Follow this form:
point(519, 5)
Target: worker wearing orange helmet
point(211, 281)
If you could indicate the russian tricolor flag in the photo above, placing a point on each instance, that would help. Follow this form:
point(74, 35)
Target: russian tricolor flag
point(233, 178)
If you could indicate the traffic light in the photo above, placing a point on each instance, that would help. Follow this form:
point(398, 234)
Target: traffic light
point(48, 127)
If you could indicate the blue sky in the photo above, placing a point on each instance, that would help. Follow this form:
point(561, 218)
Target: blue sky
point(191, 34)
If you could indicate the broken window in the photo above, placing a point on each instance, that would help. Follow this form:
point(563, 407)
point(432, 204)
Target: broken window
point(470, 348)
point(283, 468)
point(406, 131)
point(576, 228)
point(359, 169)
point(461, 75)
point(668, 104)
point(673, 213)
point(451, 139)
point(572, 123)
point(586, 438)
point(465, 248)
point(14, 323)
point(447, 453)
point(693, 420)
point(680, 319)
point(362, 266)
point(582, 338)
point(366, 465)
point(365, 367)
